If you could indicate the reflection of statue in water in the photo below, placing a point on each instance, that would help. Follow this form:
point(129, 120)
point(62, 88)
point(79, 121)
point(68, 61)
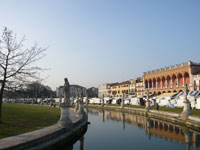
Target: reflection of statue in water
point(66, 93)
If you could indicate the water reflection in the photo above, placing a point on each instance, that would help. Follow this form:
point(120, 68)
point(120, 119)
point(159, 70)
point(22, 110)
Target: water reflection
point(81, 143)
point(153, 127)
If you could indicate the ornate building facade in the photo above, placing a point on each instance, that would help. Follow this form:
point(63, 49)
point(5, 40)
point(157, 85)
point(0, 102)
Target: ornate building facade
point(132, 87)
point(196, 79)
point(117, 89)
point(75, 91)
point(139, 87)
point(104, 90)
point(171, 79)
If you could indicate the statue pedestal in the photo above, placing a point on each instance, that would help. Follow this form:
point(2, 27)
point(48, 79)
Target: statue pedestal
point(65, 105)
point(186, 110)
point(65, 120)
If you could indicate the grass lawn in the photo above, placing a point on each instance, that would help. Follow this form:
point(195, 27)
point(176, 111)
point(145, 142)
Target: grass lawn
point(21, 118)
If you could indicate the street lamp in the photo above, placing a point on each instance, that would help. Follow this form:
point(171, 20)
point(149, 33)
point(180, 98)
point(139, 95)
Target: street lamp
point(147, 103)
point(102, 104)
point(122, 102)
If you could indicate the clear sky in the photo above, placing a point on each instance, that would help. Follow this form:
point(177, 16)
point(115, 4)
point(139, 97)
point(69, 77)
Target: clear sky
point(97, 41)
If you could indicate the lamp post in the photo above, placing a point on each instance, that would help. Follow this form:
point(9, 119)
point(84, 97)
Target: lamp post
point(122, 102)
point(186, 108)
point(102, 104)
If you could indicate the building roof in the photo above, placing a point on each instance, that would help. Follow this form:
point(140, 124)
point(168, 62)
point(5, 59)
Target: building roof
point(76, 86)
point(166, 94)
point(125, 82)
point(138, 80)
point(113, 84)
point(189, 63)
point(121, 83)
point(196, 73)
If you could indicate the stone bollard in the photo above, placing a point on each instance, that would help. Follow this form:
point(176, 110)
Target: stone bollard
point(186, 108)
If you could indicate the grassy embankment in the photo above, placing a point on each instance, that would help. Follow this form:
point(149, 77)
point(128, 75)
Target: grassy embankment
point(175, 110)
point(21, 118)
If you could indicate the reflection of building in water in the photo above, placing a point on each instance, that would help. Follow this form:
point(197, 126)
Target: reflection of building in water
point(155, 127)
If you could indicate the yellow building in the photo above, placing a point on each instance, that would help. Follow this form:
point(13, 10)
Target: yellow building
point(118, 89)
point(132, 87)
point(139, 87)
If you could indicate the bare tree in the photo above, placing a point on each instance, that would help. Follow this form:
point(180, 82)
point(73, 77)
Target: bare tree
point(17, 63)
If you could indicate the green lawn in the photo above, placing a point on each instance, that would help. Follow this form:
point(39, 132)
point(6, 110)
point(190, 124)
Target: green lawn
point(21, 118)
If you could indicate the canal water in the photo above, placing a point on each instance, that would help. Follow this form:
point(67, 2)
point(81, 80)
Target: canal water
point(121, 131)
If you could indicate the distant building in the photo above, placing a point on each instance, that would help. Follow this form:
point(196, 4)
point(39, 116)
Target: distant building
point(139, 87)
point(171, 79)
point(104, 89)
point(92, 92)
point(75, 91)
point(132, 87)
point(117, 89)
point(196, 81)
point(60, 91)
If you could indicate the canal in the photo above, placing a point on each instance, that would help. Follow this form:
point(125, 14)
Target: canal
point(111, 130)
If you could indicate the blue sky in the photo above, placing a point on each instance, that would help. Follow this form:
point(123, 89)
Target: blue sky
point(97, 41)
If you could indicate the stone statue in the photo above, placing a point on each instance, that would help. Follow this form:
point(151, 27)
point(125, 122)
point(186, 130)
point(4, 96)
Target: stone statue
point(186, 108)
point(65, 120)
point(66, 93)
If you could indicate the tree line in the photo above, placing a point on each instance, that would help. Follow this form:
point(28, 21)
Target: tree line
point(32, 90)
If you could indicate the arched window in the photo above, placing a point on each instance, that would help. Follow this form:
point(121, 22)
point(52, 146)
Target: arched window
point(186, 78)
point(180, 79)
point(159, 82)
point(168, 81)
point(174, 80)
point(163, 82)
